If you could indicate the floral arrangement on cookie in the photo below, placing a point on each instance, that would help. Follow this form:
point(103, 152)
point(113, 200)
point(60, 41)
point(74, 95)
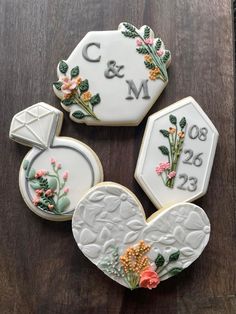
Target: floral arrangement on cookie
point(76, 92)
point(135, 268)
point(167, 170)
point(155, 58)
point(50, 190)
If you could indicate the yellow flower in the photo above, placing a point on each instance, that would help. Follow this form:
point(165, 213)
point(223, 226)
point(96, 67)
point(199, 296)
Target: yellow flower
point(78, 80)
point(86, 96)
point(181, 134)
point(148, 58)
point(153, 74)
point(172, 130)
point(134, 260)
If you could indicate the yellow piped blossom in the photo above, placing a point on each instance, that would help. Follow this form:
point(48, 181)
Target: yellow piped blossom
point(148, 58)
point(86, 96)
point(181, 134)
point(154, 73)
point(172, 130)
point(134, 260)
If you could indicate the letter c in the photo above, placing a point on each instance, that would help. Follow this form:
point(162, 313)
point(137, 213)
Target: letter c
point(85, 52)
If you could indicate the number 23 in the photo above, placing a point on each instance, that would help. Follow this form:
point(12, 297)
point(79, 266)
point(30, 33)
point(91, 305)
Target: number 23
point(192, 183)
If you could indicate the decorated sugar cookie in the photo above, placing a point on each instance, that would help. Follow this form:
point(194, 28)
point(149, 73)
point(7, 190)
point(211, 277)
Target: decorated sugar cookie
point(177, 153)
point(57, 171)
point(113, 77)
point(110, 228)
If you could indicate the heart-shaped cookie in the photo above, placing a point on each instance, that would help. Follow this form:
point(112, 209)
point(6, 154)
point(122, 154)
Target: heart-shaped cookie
point(110, 228)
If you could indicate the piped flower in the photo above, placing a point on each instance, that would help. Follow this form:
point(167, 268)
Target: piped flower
point(68, 85)
point(162, 167)
point(148, 41)
point(65, 175)
point(139, 42)
point(36, 200)
point(40, 173)
point(53, 161)
point(49, 193)
point(50, 206)
point(149, 279)
point(160, 52)
point(66, 190)
point(171, 175)
point(59, 165)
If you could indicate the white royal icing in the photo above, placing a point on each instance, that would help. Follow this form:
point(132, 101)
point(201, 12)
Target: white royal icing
point(114, 66)
point(57, 171)
point(109, 217)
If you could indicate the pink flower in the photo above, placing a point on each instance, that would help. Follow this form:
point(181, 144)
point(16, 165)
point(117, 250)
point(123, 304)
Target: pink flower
point(65, 175)
point(40, 173)
point(149, 279)
point(171, 175)
point(36, 200)
point(68, 85)
point(53, 161)
point(38, 192)
point(49, 193)
point(66, 190)
point(148, 41)
point(162, 167)
point(50, 206)
point(139, 42)
point(59, 165)
point(160, 52)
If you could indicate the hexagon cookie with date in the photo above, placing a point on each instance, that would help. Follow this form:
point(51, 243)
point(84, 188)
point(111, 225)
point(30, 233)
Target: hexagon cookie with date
point(177, 153)
point(113, 77)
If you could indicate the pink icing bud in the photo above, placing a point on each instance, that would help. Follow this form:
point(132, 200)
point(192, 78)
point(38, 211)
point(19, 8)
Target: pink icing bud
point(40, 173)
point(36, 200)
point(160, 52)
point(65, 175)
point(66, 190)
point(148, 41)
point(171, 175)
point(139, 42)
point(59, 165)
point(38, 192)
point(49, 193)
point(50, 206)
point(53, 161)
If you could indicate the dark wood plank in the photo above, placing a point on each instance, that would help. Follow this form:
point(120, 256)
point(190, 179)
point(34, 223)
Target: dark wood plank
point(41, 269)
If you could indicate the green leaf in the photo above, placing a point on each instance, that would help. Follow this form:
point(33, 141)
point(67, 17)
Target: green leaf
point(67, 101)
point(31, 174)
point(129, 27)
point(182, 123)
point(146, 32)
point(165, 133)
point(74, 72)
point(84, 86)
point(44, 183)
point(63, 67)
point(78, 114)
point(159, 261)
point(166, 56)
point(149, 65)
point(173, 119)
point(129, 34)
point(25, 164)
point(175, 271)
point(35, 185)
point(142, 50)
point(174, 256)
point(63, 203)
point(57, 85)
point(52, 183)
point(158, 44)
point(95, 100)
point(164, 150)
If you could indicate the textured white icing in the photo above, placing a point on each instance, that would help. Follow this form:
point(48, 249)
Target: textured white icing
point(150, 156)
point(114, 108)
point(38, 126)
point(109, 215)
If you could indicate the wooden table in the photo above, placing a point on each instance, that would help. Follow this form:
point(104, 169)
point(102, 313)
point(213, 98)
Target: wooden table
point(41, 268)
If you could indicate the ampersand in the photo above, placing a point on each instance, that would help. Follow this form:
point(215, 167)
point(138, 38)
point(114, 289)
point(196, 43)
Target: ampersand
point(113, 70)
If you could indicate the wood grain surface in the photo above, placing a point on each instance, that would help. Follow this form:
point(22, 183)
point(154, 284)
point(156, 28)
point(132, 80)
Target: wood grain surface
point(41, 268)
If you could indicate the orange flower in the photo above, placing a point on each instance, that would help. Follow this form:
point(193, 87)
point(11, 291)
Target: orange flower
point(172, 130)
point(181, 134)
point(149, 279)
point(78, 80)
point(148, 58)
point(153, 74)
point(134, 260)
point(86, 96)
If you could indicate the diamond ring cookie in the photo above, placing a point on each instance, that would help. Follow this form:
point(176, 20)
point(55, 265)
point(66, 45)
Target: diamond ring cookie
point(177, 154)
point(113, 77)
point(110, 228)
point(57, 171)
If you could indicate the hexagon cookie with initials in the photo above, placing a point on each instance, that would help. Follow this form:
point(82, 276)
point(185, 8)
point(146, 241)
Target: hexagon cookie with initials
point(113, 77)
point(177, 153)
